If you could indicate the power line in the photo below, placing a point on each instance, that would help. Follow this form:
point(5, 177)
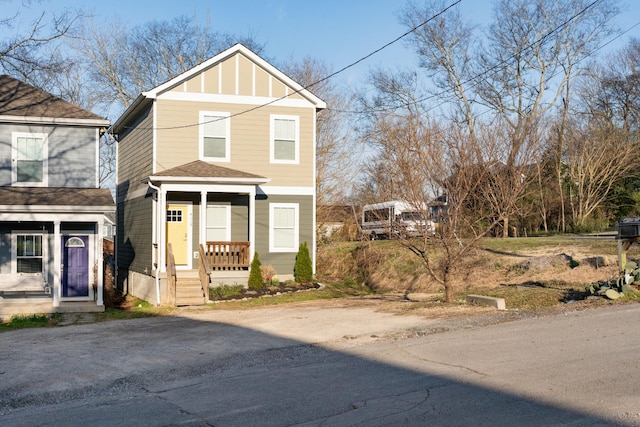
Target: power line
point(312, 84)
point(485, 72)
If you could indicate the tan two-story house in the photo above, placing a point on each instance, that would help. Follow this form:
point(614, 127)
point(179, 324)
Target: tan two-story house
point(220, 159)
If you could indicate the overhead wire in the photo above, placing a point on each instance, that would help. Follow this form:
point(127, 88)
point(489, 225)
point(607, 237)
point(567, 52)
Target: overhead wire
point(479, 75)
point(343, 69)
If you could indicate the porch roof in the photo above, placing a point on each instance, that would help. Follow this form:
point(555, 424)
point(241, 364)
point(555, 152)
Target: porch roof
point(44, 199)
point(199, 171)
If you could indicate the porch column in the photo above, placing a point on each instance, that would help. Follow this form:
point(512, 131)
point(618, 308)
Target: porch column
point(57, 264)
point(100, 265)
point(252, 222)
point(203, 218)
point(162, 230)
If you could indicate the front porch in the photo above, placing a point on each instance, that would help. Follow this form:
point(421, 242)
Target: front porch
point(219, 264)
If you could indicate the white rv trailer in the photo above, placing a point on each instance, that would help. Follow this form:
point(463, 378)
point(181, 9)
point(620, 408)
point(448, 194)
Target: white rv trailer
point(395, 219)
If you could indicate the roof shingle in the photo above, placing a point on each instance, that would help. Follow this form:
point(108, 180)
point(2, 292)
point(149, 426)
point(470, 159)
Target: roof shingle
point(200, 169)
point(42, 196)
point(21, 99)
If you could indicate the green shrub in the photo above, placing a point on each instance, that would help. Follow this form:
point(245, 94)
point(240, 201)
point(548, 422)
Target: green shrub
point(303, 269)
point(255, 274)
point(224, 291)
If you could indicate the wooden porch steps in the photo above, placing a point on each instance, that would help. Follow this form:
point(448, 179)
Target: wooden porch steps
point(189, 291)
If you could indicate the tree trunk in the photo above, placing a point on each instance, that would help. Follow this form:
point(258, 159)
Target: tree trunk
point(448, 291)
point(505, 228)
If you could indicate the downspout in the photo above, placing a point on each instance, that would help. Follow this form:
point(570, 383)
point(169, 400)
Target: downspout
point(158, 211)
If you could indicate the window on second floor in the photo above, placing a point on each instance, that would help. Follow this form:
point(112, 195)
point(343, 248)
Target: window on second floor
point(214, 136)
point(29, 160)
point(285, 139)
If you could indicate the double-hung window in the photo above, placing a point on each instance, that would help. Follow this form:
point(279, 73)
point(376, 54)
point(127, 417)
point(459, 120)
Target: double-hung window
point(283, 227)
point(29, 159)
point(285, 139)
point(29, 253)
point(218, 223)
point(215, 143)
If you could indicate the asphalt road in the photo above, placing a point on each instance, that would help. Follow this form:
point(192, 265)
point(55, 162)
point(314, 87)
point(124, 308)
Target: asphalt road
point(312, 366)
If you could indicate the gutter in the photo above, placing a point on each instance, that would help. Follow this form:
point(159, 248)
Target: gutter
point(157, 190)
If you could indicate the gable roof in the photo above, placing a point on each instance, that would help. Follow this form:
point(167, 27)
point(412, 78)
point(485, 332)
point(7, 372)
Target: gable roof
point(145, 98)
point(21, 102)
point(199, 171)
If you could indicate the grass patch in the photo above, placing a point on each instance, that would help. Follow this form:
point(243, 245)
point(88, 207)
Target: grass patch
point(561, 242)
point(38, 320)
point(329, 291)
point(225, 291)
point(534, 296)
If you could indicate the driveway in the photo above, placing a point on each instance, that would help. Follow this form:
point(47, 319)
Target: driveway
point(310, 364)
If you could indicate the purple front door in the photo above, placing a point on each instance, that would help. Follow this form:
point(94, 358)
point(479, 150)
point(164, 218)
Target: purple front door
point(75, 266)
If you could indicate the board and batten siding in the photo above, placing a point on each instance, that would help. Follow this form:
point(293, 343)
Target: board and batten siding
point(283, 263)
point(72, 152)
point(249, 139)
point(237, 75)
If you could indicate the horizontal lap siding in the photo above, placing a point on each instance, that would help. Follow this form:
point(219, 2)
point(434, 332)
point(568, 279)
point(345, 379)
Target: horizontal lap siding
point(71, 154)
point(72, 157)
point(134, 203)
point(134, 235)
point(283, 263)
point(250, 140)
point(135, 156)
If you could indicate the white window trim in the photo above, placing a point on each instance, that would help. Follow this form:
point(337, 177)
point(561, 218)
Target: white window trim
point(296, 235)
point(14, 251)
point(14, 159)
point(227, 149)
point(272, 158)
point(227, 219)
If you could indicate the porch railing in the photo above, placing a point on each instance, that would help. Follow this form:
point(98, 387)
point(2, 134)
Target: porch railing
point(228, 255)
point(203, 267)
point(171, 276)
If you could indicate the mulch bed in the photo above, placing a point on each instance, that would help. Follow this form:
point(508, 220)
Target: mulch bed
point(283, 288)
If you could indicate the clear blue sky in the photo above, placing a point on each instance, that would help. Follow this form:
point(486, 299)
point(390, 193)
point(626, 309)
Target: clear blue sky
point(335, 31)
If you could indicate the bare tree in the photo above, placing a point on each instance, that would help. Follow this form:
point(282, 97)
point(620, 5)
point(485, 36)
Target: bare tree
point(519, 75)
point(114, 67)
point(597, 159)
point(124, 63)
point(27, 52)
point(419, 161)
point(336, 155)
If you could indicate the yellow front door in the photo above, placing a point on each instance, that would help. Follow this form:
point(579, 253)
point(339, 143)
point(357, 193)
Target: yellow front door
point(178, 232)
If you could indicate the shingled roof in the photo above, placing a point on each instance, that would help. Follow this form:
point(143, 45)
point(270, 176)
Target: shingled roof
point(76, 198)
point(199, 170)
point(23, 100)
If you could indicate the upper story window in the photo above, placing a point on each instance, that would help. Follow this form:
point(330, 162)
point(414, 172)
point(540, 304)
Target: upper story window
point(29, 165)
point(285, 139)
point(214, 136)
